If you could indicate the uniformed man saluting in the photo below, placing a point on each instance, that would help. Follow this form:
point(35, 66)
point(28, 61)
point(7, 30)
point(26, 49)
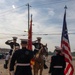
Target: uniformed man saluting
point(22, 57)
point(13, 44)
point(37, 44)
point(58, 63)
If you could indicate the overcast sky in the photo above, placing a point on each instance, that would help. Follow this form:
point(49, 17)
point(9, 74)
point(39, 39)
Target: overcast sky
point(47, 19)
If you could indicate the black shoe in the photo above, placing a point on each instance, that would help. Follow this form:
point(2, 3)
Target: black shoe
point(5, 66)
point(45, 66)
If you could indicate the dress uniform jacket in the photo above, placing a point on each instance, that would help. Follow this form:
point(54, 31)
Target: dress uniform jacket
point(12, 45)
point(22, 57)
point(37, 47)
point(57, 65)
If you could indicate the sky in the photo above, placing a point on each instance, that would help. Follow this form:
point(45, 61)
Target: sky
point(47, 19)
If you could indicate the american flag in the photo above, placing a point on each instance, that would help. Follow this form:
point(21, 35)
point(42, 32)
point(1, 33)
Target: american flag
point(66, 48)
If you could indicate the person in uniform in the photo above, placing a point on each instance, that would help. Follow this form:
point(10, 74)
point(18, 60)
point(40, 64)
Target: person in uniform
point(58, 63)
point(38, 45)
point(22, 57)
point(13, 44)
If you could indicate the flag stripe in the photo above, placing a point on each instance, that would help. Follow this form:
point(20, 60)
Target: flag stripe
point(69, 55)
point(66, 50)
point(71, 73)
point(65, 44)
point(67, 58)
point(68, 61)
point(67, 68)
point(65, 41)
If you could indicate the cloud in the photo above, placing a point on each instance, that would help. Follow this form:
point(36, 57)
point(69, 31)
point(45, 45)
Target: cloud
point(47, 19)
point(2, 1)
point(51, 12)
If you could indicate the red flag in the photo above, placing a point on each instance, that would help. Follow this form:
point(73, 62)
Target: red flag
point(32, 62)
point(30, 36)
point(66, 48)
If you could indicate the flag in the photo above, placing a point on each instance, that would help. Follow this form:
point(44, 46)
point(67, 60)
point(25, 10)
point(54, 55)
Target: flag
point(32, 62)
point(66, 48)
point(30, 36)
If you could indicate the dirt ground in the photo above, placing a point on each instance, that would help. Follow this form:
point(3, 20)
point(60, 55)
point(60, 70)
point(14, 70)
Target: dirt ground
point(45, 71)
point(6, 71)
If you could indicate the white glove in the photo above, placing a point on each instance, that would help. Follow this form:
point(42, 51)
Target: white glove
point(11, 72)
point(37, 55)
point(9, 40)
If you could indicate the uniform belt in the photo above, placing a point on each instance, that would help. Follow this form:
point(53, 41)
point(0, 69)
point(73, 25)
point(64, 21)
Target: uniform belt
point(18, 64)
point(57, 67)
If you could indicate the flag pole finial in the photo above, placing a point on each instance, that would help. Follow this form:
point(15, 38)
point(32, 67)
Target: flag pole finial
point(65, 7)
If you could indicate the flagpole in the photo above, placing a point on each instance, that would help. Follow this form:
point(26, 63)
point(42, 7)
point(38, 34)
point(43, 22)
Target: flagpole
point(28, 14)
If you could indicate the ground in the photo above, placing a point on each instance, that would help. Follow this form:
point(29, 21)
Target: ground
point(45, 72)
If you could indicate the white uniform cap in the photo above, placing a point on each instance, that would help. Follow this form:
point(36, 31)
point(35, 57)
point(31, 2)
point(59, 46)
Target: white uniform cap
point(58, 48)
point(39, 38)
point(14, 37)
point(24, 41)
